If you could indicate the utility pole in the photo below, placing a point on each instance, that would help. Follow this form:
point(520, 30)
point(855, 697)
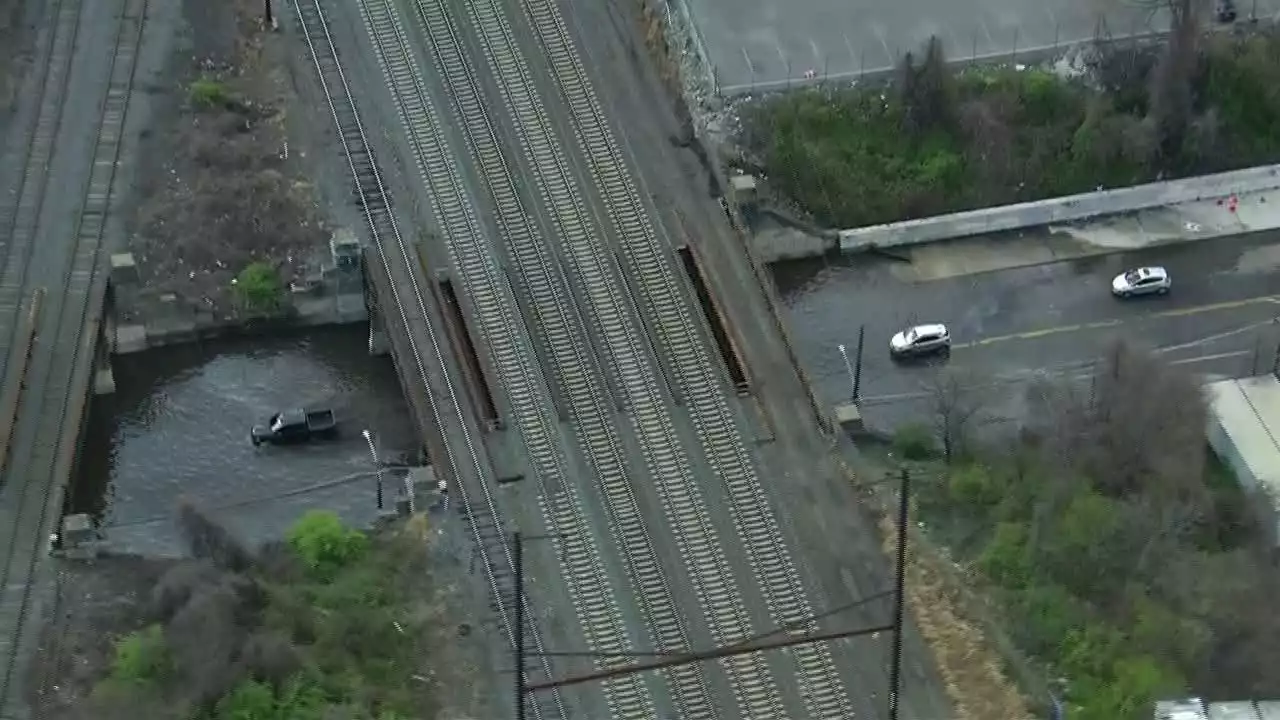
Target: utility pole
point(895, 668)
point(517, 553)
point(848, 369)
point(857, 366)
point(377, 465)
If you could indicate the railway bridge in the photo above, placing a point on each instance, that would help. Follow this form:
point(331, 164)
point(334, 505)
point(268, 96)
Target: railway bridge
point(562, 338)
point(573, 373)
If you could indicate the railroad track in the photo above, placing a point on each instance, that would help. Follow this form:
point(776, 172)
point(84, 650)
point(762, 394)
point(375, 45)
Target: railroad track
point(679, 337)
point(669, 468)
point(20, 212)
point(507, 340)
point(409, 303)
point(565, 342)
point(63, 355)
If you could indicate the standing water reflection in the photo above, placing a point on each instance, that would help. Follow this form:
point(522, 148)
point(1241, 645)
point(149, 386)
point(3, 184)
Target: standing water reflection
point(178, 425)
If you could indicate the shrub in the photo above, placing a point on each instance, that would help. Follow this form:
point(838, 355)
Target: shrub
point(324, 544)
point(258, 289)
point(250, 700)
point(207, 93)
point(141, 657)
point(914, 442)
point(1045, 615)
point(976, 487)
point(1006, 558)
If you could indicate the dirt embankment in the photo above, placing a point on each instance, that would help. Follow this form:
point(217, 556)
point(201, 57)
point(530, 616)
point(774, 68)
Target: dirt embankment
point(218, 186)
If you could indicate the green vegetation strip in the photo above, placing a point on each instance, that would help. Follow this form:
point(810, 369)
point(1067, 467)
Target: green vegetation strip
point(330, 624)
point(938, 140)
point(1125, 558)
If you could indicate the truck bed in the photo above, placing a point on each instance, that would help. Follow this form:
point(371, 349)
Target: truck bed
point(320, 420)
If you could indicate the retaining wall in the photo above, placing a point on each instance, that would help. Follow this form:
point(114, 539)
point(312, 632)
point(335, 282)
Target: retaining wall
point(1071, 208)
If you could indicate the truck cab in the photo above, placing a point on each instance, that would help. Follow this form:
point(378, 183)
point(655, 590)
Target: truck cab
point(295, 426)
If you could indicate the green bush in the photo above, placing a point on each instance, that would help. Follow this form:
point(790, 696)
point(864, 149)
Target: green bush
point(324, 544)
point(258, 289)
point(914, 442)
point(299, 699)
point(207, 93)
point(141, 657)
point(976, 487)
point(1006, 559)
point(1046, 613)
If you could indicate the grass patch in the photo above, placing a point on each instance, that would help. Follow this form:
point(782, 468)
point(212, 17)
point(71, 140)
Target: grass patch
point(208, 94)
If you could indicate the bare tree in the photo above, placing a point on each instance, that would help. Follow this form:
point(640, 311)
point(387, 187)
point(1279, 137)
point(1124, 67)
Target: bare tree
point(209, 540)
point(1147, 428)
point(926, 91)
point(1171, 97)
point(959, 401)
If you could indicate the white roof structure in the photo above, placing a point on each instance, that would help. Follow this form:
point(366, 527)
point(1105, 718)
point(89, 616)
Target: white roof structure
point(1244, 430)
point(1197, 709)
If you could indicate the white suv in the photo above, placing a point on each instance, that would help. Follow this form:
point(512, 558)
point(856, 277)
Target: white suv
point(1141, 281)
point(920, 340)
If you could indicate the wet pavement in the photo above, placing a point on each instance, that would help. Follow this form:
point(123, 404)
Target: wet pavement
point(178, 425)
point(1016, 324)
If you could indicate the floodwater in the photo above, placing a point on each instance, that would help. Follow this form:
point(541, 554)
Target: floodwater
point(178, 427)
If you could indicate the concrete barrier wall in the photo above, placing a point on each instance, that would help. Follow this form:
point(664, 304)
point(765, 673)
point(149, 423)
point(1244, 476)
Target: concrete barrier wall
point(1070, 208)
point(775, 247)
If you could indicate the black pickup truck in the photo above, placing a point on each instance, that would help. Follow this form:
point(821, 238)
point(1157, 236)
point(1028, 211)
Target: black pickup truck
point(295, 426)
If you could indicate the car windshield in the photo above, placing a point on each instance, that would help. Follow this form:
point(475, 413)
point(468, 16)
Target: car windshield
point(1132, 276)
point(911, 335)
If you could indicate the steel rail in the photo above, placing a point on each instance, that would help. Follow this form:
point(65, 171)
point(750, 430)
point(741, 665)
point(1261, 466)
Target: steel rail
point(20, 214)
point(486, 530)
point(683, 339)
point(507, 339)
point(46, 461)
point(668, 465)
point(579, 370)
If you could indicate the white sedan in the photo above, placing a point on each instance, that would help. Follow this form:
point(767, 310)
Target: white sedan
point(1141, 281)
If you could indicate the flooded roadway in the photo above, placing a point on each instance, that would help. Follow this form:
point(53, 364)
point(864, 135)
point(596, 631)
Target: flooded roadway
point(178, 425)
point(1016, 324)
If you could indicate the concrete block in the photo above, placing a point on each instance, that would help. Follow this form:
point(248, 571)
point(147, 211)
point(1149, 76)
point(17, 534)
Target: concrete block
point(379, 344)
point(849, 417)
point(130, 339)
point(351, 307)
point(77, 530)
point(424, 479)
point(743, 188)
point(104, 381)
point(404, 508)
point(124, 271)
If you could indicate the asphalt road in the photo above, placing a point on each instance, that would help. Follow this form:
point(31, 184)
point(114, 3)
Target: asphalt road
point(1021, 323)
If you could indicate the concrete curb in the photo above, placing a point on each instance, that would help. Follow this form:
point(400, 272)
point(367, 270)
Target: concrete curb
point(1071, 208)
